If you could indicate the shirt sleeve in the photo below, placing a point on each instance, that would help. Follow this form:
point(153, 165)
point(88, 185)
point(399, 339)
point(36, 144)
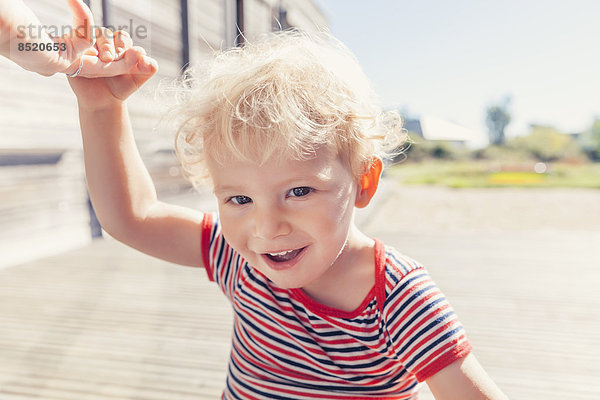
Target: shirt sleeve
point(424, 330)
point(221, 262)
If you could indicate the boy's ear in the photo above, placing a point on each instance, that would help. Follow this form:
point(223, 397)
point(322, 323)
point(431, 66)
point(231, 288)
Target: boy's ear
point(368, 183)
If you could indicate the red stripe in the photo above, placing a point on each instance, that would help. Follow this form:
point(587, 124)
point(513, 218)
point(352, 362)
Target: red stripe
point(424, 342)
point(419, 325)
point(302, 378)
point(316, 395)
point(300, 330)
point(460, 351)
point(407, 314)
point(380, 262)
point(205, 245)
point(317, 352)
point(280, 371)
point(330, 341)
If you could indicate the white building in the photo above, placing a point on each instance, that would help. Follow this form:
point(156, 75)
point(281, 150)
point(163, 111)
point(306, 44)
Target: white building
point(436, 129)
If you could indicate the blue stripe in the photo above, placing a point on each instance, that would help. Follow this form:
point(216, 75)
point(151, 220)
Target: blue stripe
point(419, 334)
point(285, 345)
point(213, 234)
point(230, 376)
point(226, 273)
point(441, 339)
point(252, 389)
point(328, 388)
point(401, 289)
point(284, 299)
point(365, 321)
point(399, 263)
point(391, 276)
point(308, 329)
point(251, 351)
point(284, 360)
point(416, 316)
point(426, 307)
point(219, 256)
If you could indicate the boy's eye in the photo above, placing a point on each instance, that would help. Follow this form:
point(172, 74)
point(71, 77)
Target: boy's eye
point(240, 200)
point(300, 191)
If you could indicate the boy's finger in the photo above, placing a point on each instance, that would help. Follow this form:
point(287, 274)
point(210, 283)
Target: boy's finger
point(94, 67)
point(147, 66)
point(83, 22)
point(105, 44)
point(144, 69)
point(123, 42)
point(139, 50)
point(132, 63)
point(124, 85)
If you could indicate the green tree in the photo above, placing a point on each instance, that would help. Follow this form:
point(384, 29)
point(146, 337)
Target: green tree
point(591, 141)
point(547, 144)
point(497, 118)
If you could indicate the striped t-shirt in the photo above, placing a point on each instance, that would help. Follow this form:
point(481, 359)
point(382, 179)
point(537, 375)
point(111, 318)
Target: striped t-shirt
point(286, 345)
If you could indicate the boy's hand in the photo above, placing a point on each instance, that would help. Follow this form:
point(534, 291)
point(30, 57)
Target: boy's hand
point(111, 71)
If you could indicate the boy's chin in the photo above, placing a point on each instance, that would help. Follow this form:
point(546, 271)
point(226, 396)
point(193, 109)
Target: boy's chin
point(281, 282)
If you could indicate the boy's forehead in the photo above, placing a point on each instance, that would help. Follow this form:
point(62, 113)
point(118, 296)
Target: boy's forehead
point(323, 167)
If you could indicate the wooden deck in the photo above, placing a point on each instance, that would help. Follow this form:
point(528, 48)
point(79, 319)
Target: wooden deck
point(106, 322)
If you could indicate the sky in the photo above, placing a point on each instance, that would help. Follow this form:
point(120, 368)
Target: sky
point(452, 59)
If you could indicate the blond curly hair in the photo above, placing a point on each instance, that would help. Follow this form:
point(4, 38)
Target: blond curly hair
point(283, 96)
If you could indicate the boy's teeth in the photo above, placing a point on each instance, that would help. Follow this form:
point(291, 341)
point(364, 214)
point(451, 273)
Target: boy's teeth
point(281, 254)
point(284, 255)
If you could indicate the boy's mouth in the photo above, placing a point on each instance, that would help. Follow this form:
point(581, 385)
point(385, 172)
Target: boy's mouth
point(284, 256)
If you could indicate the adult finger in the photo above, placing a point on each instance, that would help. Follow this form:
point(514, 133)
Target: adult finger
point(105, 44)
point(83, 25)
point(123, 42)
point(92, 51)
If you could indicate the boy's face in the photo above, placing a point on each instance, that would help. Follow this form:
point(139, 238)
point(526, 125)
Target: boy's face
point(304, 208)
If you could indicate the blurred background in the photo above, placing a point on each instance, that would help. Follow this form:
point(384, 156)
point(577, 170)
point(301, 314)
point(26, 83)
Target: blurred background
point(495, 93)
point(497, 193)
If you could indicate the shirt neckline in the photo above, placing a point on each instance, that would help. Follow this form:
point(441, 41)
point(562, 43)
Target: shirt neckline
point(377, 291)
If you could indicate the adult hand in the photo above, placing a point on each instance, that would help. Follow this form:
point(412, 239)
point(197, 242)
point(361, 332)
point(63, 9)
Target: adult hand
point(21, 30)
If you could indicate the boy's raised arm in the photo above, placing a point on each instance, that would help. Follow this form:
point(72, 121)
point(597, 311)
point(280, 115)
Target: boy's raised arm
point(122, 192)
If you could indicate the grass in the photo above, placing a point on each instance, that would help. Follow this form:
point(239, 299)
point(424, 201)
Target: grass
point(486, 174)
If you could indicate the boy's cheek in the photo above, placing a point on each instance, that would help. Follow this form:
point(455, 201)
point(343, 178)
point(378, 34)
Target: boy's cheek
point(232, 236)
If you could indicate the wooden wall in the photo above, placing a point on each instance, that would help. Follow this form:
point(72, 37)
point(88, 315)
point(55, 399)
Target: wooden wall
point(43, 207)
point(43, 202)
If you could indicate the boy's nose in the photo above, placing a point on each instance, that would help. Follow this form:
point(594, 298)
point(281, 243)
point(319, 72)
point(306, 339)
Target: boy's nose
point(270, 222)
